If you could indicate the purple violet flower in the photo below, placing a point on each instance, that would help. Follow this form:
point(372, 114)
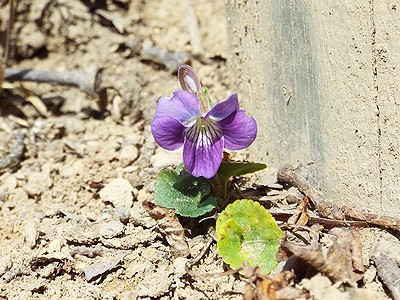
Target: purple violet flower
point(180, 121)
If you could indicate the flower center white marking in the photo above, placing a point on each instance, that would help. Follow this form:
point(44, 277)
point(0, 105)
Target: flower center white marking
point(204, 133)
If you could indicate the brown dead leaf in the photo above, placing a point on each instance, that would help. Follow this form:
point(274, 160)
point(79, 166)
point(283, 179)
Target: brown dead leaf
point(343, 260)
point(170, 227)
point(263, 287)
point(300, 217)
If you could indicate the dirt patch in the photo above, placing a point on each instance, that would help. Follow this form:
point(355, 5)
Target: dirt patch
point(72, 221)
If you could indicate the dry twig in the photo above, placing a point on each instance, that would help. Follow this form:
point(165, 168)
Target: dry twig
point(1, 72)
point(88, 82)
point(291, 175)
point(3, 62)
point(387, 260)
point(390, 274)
point(171, 60)
point(8, 35)
point(284, 216)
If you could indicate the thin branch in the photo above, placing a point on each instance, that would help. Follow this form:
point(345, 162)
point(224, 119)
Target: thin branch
point(8, 35)
point(88, 82)
point(1, 72)
point(288, 174)
point(291, 175)
point(284, 215)
point(390, 274)
point(171, 60)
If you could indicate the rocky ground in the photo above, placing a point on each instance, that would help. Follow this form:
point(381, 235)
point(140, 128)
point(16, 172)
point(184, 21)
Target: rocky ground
point(72, 223)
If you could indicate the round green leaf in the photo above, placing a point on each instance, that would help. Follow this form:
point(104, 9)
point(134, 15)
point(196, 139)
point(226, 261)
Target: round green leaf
point(246, 232)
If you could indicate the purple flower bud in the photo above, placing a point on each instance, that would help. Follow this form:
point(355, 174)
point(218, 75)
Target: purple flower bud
point(188, 79)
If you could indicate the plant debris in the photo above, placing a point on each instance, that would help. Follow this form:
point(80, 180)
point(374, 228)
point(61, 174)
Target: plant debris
point(63, 237)
point(272, 287)
point(294, 176)
point(343, 260)
point(169, 225)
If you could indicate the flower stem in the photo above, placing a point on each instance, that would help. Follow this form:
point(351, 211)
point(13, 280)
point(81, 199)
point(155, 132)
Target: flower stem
point(205, 99)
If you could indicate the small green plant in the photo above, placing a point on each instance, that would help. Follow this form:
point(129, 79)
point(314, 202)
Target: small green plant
point(246, 232)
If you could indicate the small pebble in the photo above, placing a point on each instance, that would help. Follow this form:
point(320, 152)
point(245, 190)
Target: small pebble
point(128, 154)
point(111, 229)
point(9, 183)
point(119, 192)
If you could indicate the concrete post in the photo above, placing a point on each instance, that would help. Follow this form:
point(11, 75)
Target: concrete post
point(322, 80)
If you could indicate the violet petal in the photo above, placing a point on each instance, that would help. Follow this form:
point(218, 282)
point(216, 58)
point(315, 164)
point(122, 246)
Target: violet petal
point(202, 160)
point(181, 106)
point(168, 132)
point(239, 130)
point(223, 109)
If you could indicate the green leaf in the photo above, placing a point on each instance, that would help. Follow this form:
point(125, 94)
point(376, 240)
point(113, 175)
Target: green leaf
point(188, 195)
point(237, 168)
point(234, 168)
point(246, 232)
